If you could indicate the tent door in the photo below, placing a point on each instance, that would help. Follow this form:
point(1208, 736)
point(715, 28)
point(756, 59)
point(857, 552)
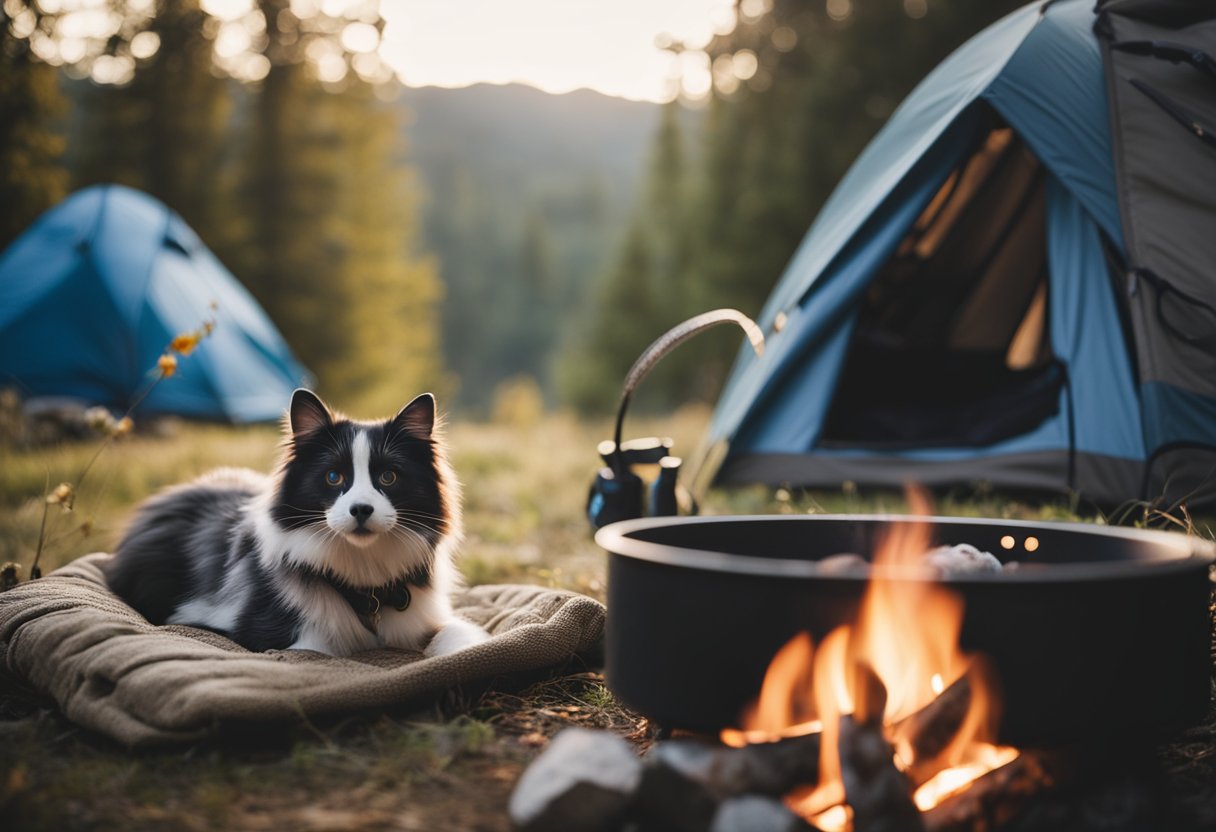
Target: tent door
point(952, 346)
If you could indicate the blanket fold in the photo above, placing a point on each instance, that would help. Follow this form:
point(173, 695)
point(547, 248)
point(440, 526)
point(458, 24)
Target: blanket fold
point(67, 636)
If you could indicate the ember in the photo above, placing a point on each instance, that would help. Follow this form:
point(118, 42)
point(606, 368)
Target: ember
point(878, 688)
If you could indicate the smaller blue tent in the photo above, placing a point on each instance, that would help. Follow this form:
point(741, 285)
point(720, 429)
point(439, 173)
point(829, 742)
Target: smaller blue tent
point(1014, 282)
point(94, 291)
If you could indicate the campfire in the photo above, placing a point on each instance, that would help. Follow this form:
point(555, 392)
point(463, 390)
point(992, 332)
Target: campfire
point(807, 688)
point(905, 718)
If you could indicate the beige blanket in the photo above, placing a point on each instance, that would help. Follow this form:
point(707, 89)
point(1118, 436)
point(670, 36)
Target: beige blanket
point(69, 637)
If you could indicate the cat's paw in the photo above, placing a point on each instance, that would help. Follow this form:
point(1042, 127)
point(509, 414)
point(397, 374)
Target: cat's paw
point(456, 635)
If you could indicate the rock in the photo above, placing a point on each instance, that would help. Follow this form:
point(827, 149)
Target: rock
point(585, 781)
point(685, 780)
point(846, 564)
point(961, 559)
point(752, 813)
point(676, 792)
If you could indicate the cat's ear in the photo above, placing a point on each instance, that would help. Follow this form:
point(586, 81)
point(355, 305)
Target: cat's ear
point(417, 418)
point(308, 413)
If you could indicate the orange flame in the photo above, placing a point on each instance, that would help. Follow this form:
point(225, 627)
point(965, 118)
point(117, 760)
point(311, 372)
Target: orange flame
point(785, 706)
point(908, 631)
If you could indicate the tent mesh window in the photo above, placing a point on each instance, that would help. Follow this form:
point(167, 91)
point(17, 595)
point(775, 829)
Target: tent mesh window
point(952, 345)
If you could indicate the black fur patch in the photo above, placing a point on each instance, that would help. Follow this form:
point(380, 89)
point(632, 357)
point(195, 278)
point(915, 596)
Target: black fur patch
point(168, 555)
point(266, 622)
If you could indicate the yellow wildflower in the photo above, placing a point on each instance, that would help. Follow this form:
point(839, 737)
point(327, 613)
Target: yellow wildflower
point(167, 364)
point(123, 426)
point(185, 343)
point(63, 495)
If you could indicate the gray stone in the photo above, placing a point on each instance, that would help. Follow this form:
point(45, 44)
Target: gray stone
point(846, 564)
point(752, 813)
point(961, 559)
point(584, 781)
point(685, 779)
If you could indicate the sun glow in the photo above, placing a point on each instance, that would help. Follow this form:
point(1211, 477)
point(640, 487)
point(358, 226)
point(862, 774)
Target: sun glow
point(619, 49)
point(555, 45)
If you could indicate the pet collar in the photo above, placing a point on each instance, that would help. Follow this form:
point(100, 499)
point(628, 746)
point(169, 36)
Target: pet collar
point(369, 602)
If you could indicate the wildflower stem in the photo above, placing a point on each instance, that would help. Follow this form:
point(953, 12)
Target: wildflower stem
point(42, 530)
point(109, 440)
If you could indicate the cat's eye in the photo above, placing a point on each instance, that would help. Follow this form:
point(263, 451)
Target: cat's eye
point(388, 478)
point(334, 478)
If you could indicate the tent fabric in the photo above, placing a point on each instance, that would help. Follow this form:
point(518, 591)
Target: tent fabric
point(94, 291)
point(1040, 73)
point(1161, 83)
point(68, 637)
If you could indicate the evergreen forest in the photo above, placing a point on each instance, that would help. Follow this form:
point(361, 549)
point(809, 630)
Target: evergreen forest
point(485, 242)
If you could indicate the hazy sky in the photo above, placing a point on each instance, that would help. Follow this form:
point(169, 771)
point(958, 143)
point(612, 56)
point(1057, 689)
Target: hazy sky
point(557, 45)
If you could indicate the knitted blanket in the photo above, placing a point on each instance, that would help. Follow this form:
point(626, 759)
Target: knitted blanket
point(67, 636)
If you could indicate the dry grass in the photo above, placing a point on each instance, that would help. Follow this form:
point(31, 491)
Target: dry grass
point(450, 768)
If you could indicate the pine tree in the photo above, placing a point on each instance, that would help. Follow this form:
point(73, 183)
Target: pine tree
point(528, 316)
point(167, 130)
point(32, 178)
point(392, 349)
point(187, 113)
point(590, 377)
point(645, 292)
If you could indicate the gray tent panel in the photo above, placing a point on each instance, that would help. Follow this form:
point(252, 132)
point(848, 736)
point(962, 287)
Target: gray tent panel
point(1161, 83)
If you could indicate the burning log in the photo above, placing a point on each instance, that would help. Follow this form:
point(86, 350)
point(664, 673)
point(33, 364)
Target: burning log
point(929, 731)
point(993, 799)
point(768, 768)
point(878, 792)
point(925, 736)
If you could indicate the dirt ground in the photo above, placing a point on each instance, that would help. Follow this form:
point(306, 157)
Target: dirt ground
point(451, 767)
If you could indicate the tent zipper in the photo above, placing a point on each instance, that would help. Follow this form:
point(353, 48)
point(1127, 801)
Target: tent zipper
point(1176, 111)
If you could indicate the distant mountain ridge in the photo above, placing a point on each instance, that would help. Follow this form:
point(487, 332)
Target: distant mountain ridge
point(526, 198)
point(513, 124)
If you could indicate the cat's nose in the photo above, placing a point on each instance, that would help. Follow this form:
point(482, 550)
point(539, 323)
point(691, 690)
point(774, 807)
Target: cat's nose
point(361, 511)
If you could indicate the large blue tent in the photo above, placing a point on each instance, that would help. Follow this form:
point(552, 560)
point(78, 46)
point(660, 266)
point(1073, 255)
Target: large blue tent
point(95, 290)
point(1015, 283)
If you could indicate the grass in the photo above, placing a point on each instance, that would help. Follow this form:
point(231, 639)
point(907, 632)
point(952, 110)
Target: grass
point(448, 768)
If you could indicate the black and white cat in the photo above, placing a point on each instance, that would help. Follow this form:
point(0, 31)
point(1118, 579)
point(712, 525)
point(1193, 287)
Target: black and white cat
point(348, 546)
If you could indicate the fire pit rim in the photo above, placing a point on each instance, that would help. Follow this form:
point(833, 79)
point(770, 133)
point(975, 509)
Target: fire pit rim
point(1184, 550)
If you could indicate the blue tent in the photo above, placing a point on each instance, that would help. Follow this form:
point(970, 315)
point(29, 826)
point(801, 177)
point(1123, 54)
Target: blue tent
point(94, 291)
point(972, 305)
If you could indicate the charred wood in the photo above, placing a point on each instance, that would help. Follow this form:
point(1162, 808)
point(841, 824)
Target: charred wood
point(685, 780)
point(878, 793)
point(767, 768)
point(995, 798)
